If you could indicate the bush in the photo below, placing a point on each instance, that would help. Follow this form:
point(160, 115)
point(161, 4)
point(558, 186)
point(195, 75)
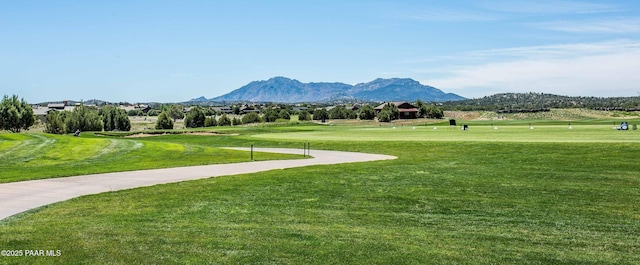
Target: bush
point(385, 116)
point(153, 112)
point(224, 120)
point(83, 118)
point(271, 115)
point(210, 122)
point(194, 118)
point(320, 114)
point(389, 112)
point(236, 121)
point(164, 122)
point(304, 116)
point(251, 117)
point(135, 112)
point(367, 113)
point(115, 119)
point(15, 115)
point(55, 122)
point(284, 114)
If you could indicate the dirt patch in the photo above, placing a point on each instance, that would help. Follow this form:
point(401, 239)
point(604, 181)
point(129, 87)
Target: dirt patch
point(141, 135)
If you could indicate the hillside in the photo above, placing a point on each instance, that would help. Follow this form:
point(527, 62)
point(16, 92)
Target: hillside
point(285, 90)
point(540, 101)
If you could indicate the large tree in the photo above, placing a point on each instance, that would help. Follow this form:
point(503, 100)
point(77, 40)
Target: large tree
point(83, 118)
point(367, 113)
point(194, 118)
point(164, 122)
point(15, 115)
point(115, 119)
point(55, 122)
point(388, 113)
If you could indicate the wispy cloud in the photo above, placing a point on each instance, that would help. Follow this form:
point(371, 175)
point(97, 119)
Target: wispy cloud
point(549, 7)
point(612, 26)
point(588, 69)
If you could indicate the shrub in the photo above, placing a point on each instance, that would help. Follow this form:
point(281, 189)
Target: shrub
point(210, 122)
point(164, 122)
point(55, 122)
point(320, 114)
point(15, 115)
point(224, 120)
point(304, 116)
point(83, 118)
point(115, 119)
point(194, 118)
point(367, 113)
point(251, 117)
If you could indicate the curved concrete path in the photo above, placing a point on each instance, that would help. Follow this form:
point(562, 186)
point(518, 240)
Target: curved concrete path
point(17, 197)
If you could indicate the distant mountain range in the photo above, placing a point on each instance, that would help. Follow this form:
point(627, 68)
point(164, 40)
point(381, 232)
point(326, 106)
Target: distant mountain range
point(285, 90)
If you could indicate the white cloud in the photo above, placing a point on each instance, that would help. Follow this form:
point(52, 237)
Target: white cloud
point(597, 69)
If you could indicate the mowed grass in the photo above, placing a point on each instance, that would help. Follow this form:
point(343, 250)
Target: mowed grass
point(37, 156)
point(440, 202)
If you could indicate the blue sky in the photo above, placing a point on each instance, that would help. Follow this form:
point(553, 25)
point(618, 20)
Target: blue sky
point(170, 51)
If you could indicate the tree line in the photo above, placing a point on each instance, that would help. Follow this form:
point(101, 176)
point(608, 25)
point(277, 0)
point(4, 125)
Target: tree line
point(510, 102)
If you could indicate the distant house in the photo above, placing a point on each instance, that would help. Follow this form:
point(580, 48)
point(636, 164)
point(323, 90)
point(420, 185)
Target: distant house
point(405, 110)
point(223, 110)
point(355, 107)
point(56, 106)
point(40, 110)
point(299, 109)
point(246, 109)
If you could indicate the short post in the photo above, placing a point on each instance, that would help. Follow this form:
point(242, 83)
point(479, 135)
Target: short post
point(251, 152)
point(304, 150)
point(308, 149)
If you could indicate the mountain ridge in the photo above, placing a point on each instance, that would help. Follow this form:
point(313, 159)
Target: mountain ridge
point(285, 90)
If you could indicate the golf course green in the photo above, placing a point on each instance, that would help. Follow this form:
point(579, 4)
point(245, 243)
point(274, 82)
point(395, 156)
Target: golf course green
point(503, 193)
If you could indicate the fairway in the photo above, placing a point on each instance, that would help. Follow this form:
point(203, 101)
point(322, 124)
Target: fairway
point(479, 133)
point(550, 195)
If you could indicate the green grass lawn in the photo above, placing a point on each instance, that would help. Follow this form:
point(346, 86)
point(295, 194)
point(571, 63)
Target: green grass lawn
point(37, 156)
point(506, 196)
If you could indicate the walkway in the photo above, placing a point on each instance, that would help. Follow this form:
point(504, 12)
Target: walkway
point(17, 197)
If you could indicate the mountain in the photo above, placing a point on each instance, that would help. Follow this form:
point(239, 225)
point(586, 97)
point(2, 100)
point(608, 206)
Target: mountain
point(285, 90)
point(282, 89)
point(400, 89)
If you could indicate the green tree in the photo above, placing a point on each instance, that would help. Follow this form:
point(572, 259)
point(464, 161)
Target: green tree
point(337, 112)
point(164, 122)
point(251, 117)
point(236, 121)
point(210, 122)
point(224, 120)
point(284, 114)
point(434, 112)
point(271, 115)
point(115, 119)
point(83, 118)
point(422, 108)
point(320, 114)
point(388, 113)
point(153, 112)
point(367, 113)
point(55, 122)
point(135, 112)
point(194, 118)
point(15, 115)
point(304, 116)
point(175, 112)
